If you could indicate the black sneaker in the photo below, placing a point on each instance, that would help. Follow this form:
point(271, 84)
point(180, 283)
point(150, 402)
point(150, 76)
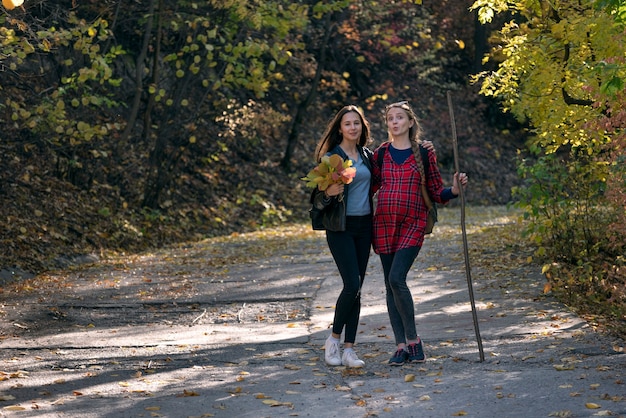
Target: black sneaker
point(399, 358)
point(415, 353)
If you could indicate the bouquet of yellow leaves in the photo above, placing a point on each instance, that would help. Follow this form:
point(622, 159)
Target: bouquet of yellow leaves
point(331, 170)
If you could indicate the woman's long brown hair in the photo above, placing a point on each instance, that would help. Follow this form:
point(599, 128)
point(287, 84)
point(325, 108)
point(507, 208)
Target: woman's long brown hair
point(332, 137)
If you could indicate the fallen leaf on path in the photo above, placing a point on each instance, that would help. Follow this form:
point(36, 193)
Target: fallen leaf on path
point(14, 408)
point(16, 375)
point(561, 414)
point(591, 405)
point(348, 371)
point(616, 398)
point(187, 393)
point(274, 403)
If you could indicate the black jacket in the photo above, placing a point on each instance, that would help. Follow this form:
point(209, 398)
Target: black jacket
point(329, 213)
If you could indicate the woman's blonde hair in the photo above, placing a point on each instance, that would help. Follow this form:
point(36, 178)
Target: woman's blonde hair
point(415, 134)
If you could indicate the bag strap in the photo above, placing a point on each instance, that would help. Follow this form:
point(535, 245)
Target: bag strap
point(381, 157)
point(426, 164)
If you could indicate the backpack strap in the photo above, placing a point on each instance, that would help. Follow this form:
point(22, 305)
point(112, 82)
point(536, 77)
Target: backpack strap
point(381, 157)
point(423, 153)
point(426, 163)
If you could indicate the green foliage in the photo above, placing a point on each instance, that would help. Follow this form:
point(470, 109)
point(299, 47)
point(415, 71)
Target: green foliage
point(228, 46)
point(561, 70)
point(62, 113)
point(566, 207)
point(616, 8)
point(214, 55)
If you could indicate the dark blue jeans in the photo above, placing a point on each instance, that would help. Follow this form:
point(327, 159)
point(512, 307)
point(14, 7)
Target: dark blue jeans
point(400, 306)
point(351, 251)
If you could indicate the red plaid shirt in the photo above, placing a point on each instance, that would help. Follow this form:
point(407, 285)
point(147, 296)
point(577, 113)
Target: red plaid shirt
point(400, 217)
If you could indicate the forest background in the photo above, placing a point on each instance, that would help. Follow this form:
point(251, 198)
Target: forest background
point(127, 126)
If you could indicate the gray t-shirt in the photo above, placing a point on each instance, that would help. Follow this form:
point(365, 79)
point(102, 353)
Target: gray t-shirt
point(358, 202)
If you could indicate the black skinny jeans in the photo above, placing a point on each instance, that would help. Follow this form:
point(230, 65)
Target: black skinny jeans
point(400, 306)
point(351, 251)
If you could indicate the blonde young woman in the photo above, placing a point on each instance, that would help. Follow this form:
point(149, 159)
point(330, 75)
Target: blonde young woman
point(400, 219)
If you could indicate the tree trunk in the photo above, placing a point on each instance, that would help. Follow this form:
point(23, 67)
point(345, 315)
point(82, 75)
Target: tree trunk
point(157, 179)
point(139, 67)
point(292, 139)
point(480, 44)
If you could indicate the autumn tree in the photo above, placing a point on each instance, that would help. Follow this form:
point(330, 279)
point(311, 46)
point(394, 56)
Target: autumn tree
point(368, 53)
point(66, 64)
point(199, 61)
point(183, 68)
point(561, 70)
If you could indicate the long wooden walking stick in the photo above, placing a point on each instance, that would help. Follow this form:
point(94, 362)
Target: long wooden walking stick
point(455, 149)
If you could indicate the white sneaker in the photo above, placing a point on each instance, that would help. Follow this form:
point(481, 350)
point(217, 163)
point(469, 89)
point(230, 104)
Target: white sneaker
point(331, 353)
point(350, 359)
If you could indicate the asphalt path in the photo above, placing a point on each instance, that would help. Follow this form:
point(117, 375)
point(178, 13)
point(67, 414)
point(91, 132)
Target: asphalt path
point(185, 332)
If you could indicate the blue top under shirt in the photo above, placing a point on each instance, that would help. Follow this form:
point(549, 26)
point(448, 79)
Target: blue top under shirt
point(358, 203)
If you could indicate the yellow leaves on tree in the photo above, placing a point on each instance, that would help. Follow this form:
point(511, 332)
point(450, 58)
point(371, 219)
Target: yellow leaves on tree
point(12, 4)
point(331, 170)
